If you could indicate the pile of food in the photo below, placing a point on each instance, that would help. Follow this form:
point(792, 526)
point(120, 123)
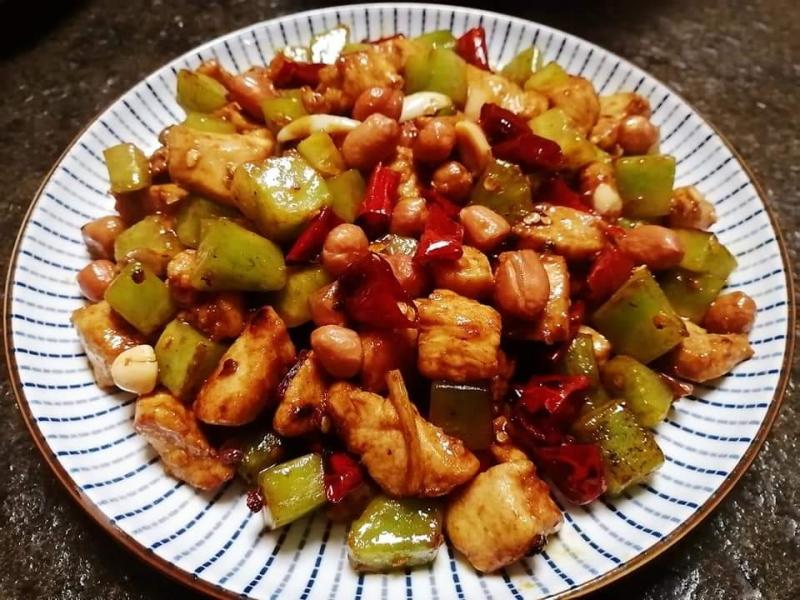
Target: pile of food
point(382, 280)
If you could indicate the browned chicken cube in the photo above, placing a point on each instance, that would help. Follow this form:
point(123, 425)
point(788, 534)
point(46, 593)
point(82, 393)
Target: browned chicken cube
point(104, 335)
point(470, 275)
point(553, 324)
point(703, 356)
point(577, 98)
point(503, 513)
point(220, 316)
point(386, 350)
point(459, 338)
point(483, 87)
point(247, 376)
point(302, 392)
point(355, 72)
point(572, 233)
point(204, 162)
point(403, 163)
point(173, 431)
point(405, 454)
point(614, 109)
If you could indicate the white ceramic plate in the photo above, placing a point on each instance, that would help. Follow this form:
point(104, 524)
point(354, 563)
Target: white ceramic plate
point(211, 541)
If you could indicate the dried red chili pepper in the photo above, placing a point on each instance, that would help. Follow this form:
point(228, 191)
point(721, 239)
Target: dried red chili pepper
point(442, 238)
point(610, 270)
point(255, 501)
point(342, 476)
point(287, 73)
point(379, 200)
point(371, 294)
point(433, 197)
point(501, 124)
point(575, 469)
point(472, 48)
point(555, 190)
point(309, 243)
point(530, 151)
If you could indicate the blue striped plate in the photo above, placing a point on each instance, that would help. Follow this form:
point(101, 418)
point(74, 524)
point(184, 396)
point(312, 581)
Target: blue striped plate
point(211, 541)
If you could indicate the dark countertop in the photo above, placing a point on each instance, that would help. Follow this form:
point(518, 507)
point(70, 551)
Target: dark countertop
point(738, 62)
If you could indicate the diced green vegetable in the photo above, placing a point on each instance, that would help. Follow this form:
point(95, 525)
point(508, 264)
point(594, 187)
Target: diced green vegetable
point(151, 233)
point(185, 358)
point(209, 123)
point(437, 70)
point(292, 489)
point(326, 47)
point(355, 47)
point(259, 452)
point(554, 124)
point(321, 153)
point(579, 359)
point(279, 112)
point(505, 189)
point(291, 303)
point(200, 93)
point(630, 452)
point(550, 75)
point(416, 72)
point(141, 298)
point(644, 393)
point(280, 195)
point(638, 319)
point(191, 214)
point(523, 65)
point(703, 253)
point(395, 533)
point(230, 257)
point(463, 411)
point(128, 168)
point(645, 184)
point(441, 38)
point(347, 194)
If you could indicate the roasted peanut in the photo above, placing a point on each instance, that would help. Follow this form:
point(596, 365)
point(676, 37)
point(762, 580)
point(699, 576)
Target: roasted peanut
point(338, 350)
point(371, 142)
point(470, 275)
point(636, 135)
point(99, 236)
point(409, 216)
point(220, 316)
point(483, 228)
point(414, 278)
point(325, 306)
point(136, 370)
point(731, 313)
point(434, 142)
point(521, 285)
point(345, 244)
point(453, 180)
point(408, 133)
point(689, 208)
point(383, 100)
point(654, 246)
point(94, 278)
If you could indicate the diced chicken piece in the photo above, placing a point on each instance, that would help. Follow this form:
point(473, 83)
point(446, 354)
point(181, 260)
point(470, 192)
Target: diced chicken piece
point(501, 515)
point(703, 356)
point(104, 335)
point(499, 384)
point(459, 338)
point(572, 233)
point(405, 454)
point(689, 208)
point(396, 50)
point(355, 72)
point(403, 163)
point(248, 89)
point(386, 350)
point(503, 448)
point(163, 198)
point(247, 376)
point(173, 431)
point(553, 324)
point(204, 162)
point(219, 316)
point(470, 275)
point(483, 87)
point(613, 110)
point(303, 392)
point(232, 113)
point(577, 98)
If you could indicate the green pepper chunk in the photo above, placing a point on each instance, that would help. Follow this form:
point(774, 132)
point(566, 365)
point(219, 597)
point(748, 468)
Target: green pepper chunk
point(128, 168)
point(441, 38)
point(209, 123)
point(395, 533)
point(260, 452)
point(645, 184)
point(630, 452)
point(579, 359)
point(321, 153)
point(437, 70)
point(555, 125)
point(644, 393)
point(638, 319)
point(185, 358)
point(280, 195)
point(326, 47)
point(347, 194)
point(291, 302)
point(141, 298)
point(200, 93)
point(415, 71)
point(552, 74)
point(279, 112)
point(292, 489)
point(230, 257)
point(192, 212)
point(352, 47)
point(504, 188)
point(151, 233)
point(520, 68)
point(463, 411)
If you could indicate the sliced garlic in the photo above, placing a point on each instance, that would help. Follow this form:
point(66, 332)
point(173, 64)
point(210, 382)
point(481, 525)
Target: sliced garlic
point(423, 103)
point(600, 344)
point(136, 370)
point(473, 147)
point(606, 201)
point(305, 126)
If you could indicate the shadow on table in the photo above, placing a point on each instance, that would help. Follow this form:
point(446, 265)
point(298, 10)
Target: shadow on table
point(23, 22)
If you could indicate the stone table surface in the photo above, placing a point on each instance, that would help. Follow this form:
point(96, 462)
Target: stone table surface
point(738, 62)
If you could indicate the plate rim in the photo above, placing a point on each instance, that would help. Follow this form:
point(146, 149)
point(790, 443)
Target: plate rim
point(149, 558)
